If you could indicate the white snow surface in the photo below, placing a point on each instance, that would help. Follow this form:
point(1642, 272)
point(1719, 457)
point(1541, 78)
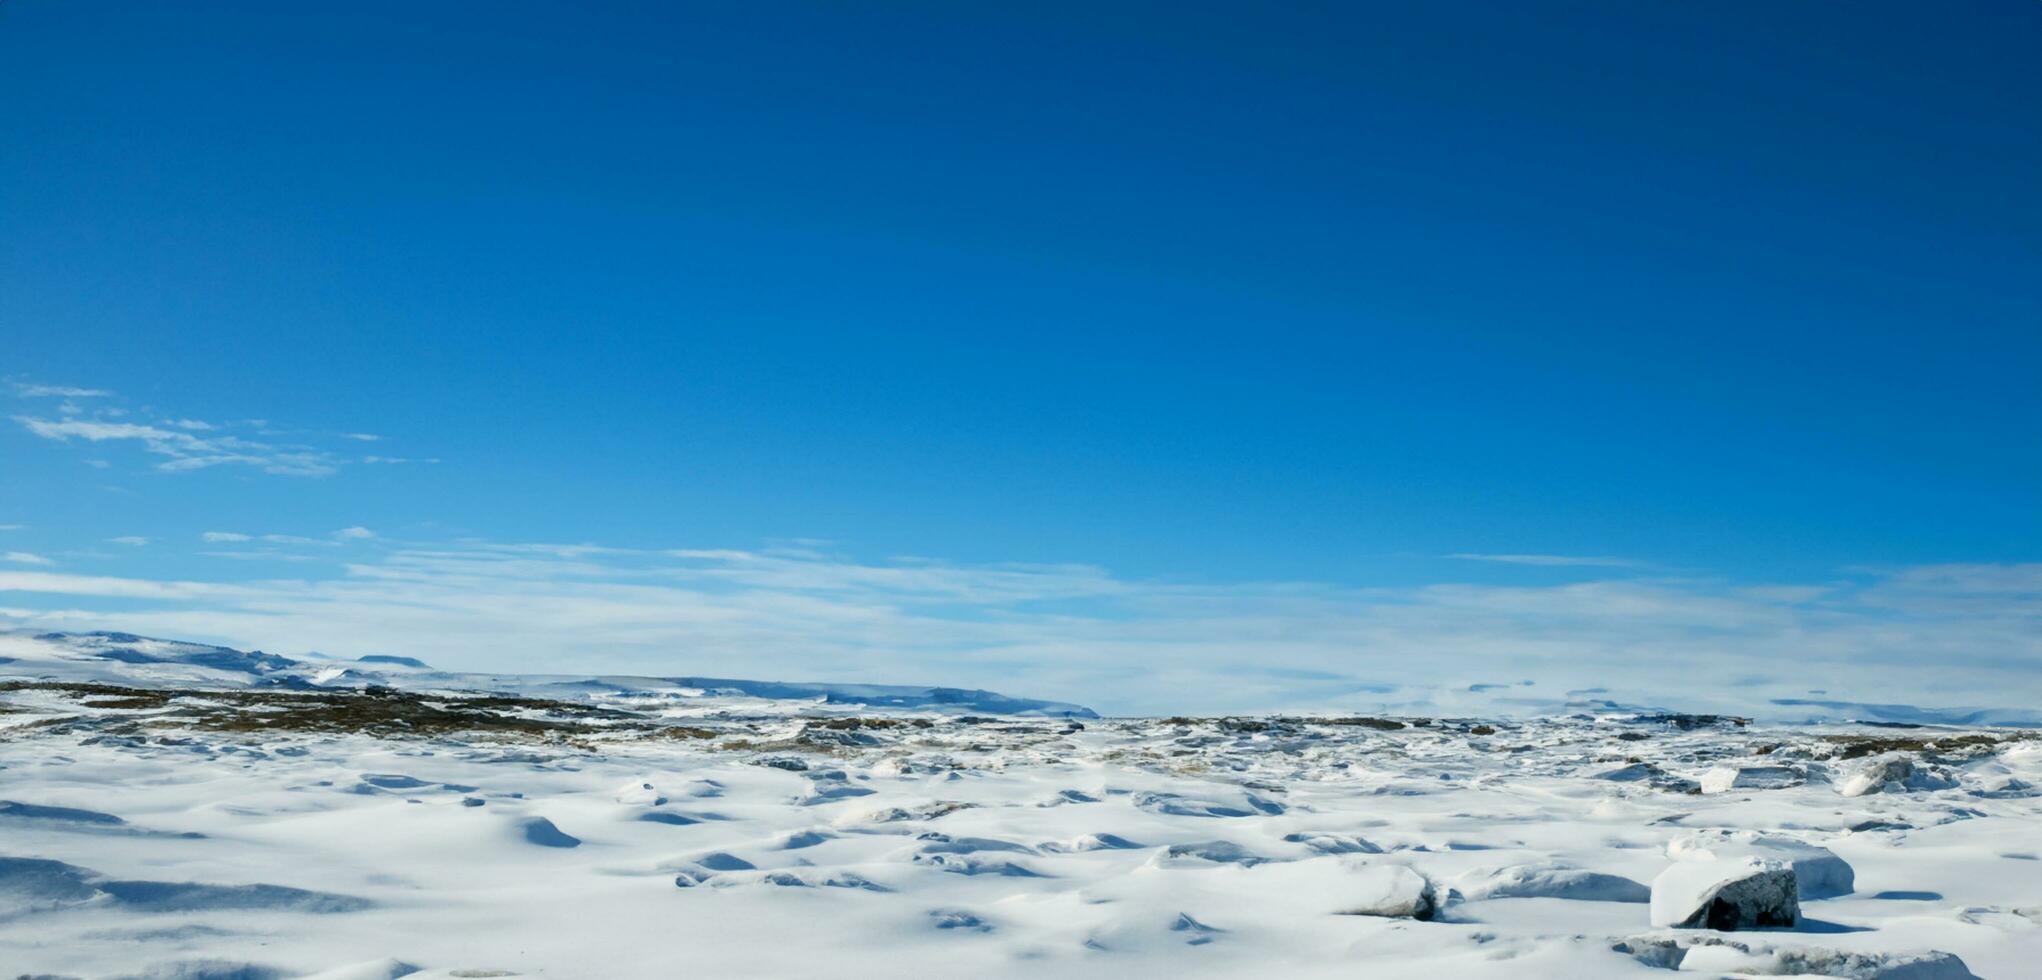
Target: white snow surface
point(654, 830)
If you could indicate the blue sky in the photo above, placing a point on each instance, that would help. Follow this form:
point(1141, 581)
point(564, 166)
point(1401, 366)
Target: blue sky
point(1304, 315)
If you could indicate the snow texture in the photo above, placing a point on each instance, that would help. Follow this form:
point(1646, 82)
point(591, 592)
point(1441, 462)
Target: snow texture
point(180, 810)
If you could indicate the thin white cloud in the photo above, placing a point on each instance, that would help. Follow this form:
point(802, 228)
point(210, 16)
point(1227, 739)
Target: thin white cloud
point(1556, 561)
point(58, 391)
point(184, 444)
point(291, 539)
point(131, 540)
point(1947, 634)
point(332, 540)
point(185, 451)
point(262, 555)
point(362, 436)
point(25, 558)
point(12, 527)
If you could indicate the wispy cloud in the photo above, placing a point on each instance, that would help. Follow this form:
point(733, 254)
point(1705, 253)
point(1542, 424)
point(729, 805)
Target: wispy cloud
point(185, 451)
point(330, 541)
point(184, 444)
point(259, 554)
point(25, 558)
point(131, 540)
point(24, 390)
point(1948, 634)
point(1558, 561)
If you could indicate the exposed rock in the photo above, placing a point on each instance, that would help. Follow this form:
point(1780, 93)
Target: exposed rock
point(1931, 965)
point(1715, 954)
point(1726, 894)
point(1392, 891)
point(1895, 772)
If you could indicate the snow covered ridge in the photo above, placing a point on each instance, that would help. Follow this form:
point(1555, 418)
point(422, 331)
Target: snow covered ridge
point(177, 810)
point(123, 658)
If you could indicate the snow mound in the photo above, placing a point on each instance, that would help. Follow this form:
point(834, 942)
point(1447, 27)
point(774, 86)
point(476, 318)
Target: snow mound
point(1333, 843)
point(1390, 891)
point(541, 831)
point(1734, 894)
point(1206, 852)
point(1819, 872)
point(1549, 881)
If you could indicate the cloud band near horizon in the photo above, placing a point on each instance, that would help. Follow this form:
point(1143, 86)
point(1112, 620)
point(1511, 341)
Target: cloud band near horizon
point(1944, 634)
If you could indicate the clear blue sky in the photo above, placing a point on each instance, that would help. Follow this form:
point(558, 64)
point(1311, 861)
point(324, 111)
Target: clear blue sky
point(1742, 292)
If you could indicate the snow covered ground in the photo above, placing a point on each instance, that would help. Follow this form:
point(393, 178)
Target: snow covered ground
point(176, 810)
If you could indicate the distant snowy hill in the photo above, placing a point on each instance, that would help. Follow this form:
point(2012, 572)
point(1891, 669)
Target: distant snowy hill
point(140, 661)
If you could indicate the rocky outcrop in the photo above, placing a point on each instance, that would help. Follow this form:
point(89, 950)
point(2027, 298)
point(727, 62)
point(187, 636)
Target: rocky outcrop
point(1895, 772)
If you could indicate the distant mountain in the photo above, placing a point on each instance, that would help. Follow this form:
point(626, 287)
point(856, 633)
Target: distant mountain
point(1909, 715)
point(140, 661)
point(376, 658)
